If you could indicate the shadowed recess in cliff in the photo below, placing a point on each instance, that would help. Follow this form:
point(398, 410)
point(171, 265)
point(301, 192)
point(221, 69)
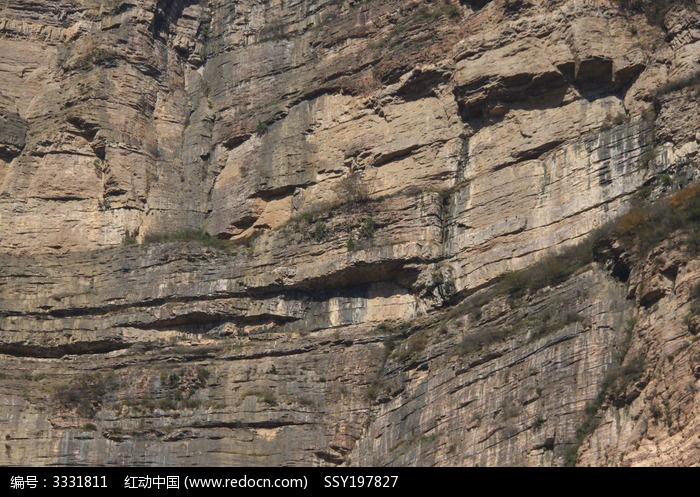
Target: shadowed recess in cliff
point(166, 13)
point(203, 322)
point(75, 348)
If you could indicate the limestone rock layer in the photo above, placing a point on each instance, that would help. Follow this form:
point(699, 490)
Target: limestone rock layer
point(274, 233)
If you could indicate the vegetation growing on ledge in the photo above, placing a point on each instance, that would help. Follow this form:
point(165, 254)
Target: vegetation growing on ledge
point(93, 56)
point(648, 224)
point(188, 235)
point(177, 390)
point(85, 394)
point(352, 197)
point(550, 271)
point(199, 236)
point(482, 337)
point(638, 230)
point(129, 239)
point(261, 128)
point(644, 226)
point(654, 10)
point(367, 227)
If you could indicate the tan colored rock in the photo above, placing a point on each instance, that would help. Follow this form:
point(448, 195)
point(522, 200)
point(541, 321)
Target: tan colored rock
point(269, 233)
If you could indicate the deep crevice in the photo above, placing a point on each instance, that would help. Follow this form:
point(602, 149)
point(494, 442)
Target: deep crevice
point(167, 12)
point(203, 322)
point(52, 352)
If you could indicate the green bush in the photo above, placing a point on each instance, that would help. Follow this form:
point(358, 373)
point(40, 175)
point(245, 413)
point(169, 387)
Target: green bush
point(373, 390)
point(203, 374)
point(630, 372)
point(199, 236)
point(389, 344)
point(351, 189)
point(261, 128)
point(412, 347)
point(482, 337)
point(551, 270)
point(171, 380)
point(129, 239)
point(177, 391)
point(367, 228)
point(94, 55)
point(86, 393)
point(319, 232)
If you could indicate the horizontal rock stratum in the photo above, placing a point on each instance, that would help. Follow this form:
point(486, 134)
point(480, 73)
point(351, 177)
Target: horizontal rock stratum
point(352, 232)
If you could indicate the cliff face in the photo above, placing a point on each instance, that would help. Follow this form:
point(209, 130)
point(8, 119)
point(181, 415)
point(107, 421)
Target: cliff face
point(239, 232)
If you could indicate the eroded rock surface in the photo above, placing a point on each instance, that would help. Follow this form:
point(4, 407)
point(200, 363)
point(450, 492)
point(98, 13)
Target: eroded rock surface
point(260, 233)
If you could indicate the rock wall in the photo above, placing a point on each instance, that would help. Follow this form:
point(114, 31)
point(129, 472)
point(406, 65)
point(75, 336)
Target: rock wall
point(261, 232)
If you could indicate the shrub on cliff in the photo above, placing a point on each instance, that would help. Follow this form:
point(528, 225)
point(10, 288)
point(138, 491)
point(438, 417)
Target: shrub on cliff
point(654, 10)
point(549, 271)
point(648, 224)
point(199, 236)
point(643, 227)
point(85, 394)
